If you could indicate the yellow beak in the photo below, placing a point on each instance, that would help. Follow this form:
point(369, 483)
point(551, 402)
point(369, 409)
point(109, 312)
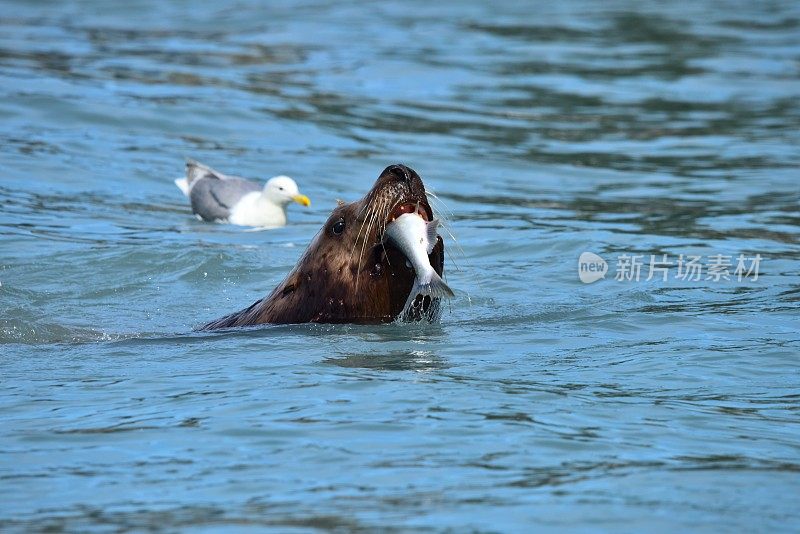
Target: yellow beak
point(302, 199)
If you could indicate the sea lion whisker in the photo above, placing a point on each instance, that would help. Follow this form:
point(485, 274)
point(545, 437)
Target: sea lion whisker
point(448, 253)
point(364, 215)
point(373, 213)
point(452, 260)
point(390, 205)
point(386, 208)
point(375, 217)
point(369, 210)
point(446, 227)
point(441, 203)
point(363, 246)
point(445, 214)
point(385, 221)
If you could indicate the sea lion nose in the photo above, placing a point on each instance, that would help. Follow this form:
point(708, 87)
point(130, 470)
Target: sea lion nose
point(401, 171)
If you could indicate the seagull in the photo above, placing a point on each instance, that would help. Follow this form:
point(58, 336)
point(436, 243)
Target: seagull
point(217, 197)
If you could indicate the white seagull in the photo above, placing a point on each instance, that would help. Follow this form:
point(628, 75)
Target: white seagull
point(217, 197)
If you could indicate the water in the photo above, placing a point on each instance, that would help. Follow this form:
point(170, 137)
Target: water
point(538, 402)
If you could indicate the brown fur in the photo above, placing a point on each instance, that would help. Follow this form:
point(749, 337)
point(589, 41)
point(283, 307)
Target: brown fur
point(351, 277)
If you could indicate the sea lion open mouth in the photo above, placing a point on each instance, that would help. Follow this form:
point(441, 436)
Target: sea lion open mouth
point(349, 274)
point(408, 208)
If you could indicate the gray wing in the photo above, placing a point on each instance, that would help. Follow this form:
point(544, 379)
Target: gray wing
point(196, 170)
point(214, 199)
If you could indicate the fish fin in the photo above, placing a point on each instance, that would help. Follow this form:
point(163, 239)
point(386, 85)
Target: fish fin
point(183, 185)
point(435, 287)
point(431, 230)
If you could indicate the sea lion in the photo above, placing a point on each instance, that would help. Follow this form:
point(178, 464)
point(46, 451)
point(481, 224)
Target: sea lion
point(349, 273)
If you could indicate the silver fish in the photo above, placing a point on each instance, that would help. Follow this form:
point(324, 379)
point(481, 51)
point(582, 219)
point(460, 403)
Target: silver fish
point(415, 237)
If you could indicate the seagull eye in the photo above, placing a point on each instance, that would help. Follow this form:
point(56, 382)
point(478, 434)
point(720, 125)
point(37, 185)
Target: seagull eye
point(280, 187)
point(338, 227)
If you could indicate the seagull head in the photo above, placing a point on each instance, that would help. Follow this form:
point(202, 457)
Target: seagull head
point(282, 190)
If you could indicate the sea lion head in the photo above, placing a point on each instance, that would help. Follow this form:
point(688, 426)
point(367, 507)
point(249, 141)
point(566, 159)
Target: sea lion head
point(349, 274)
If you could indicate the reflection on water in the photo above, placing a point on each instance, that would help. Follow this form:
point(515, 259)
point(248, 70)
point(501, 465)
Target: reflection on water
point(396, 360)
point(612, 127)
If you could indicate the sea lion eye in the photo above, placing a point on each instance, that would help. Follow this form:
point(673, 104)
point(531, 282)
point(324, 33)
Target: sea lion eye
point(338, 227)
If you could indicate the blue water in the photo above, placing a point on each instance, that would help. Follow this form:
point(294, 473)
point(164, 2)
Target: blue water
point(538, 403)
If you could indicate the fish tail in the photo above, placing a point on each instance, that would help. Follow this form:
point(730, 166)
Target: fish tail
point(433, 286)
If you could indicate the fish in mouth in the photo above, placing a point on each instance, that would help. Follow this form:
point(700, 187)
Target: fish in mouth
point(350, 273)
point(415, 236)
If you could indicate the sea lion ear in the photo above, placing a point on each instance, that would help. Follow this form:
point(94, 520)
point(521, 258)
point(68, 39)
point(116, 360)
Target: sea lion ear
point(339, 202)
